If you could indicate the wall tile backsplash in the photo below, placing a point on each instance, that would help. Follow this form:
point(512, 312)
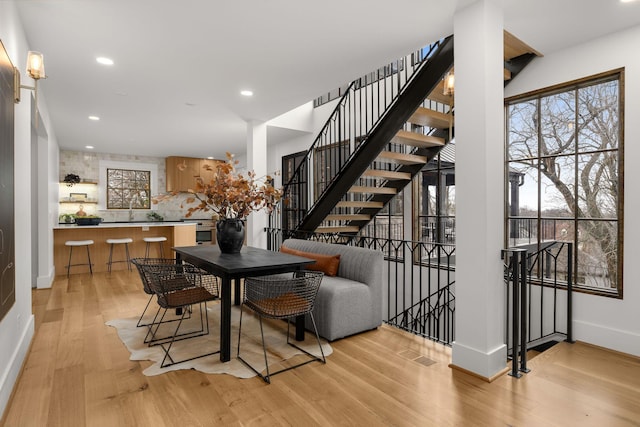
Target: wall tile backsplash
point(86, 165)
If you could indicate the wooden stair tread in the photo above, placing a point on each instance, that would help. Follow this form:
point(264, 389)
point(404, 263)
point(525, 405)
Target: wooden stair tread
point(344, 229)
point(414, 139)
point(437, 94)
point(384, 174)
point(361, 204)
point(514, 47)
point(401, 158)
point(348, 217)
point(372, 190)
point(428, 117)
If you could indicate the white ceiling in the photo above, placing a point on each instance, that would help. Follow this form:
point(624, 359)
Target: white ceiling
point(180, 64)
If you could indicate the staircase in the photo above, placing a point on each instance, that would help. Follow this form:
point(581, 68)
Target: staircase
point(385, 128)
point(425, 133)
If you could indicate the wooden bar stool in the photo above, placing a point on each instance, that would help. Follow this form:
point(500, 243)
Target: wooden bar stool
point(74, 243)
point(125, 241)
point(150, 240)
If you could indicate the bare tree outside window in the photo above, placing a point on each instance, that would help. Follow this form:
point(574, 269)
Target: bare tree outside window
point(128, 189)
point(565, 150)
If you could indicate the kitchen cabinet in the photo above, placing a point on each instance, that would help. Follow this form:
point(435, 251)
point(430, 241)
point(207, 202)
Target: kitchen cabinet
point(208, 175)
point(183, 171)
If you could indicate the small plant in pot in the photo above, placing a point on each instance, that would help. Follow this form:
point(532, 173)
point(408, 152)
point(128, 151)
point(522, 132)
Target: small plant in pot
point(154, 216)
point(66, 218)
point(70, 179)
point(230, 197)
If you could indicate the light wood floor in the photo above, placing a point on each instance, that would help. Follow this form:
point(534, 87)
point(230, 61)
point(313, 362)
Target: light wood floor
point(78, 374)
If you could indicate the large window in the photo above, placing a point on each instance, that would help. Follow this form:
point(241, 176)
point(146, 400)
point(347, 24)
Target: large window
point(128, 189)
point(564, 170)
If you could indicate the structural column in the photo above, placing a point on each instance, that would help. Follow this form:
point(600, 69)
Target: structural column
point(480, 303)
point(257, 162)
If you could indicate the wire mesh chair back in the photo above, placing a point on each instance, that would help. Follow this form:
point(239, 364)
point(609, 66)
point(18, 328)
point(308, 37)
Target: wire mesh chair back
point(179, 285)
point(282, 296)
point(140, 262)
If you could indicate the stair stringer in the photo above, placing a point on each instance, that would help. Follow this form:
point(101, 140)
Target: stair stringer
point(398, 113)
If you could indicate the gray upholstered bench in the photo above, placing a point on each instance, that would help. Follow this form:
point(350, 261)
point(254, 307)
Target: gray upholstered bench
point(351, 301)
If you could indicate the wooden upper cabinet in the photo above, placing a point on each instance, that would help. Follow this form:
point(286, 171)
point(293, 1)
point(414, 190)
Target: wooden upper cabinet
point(183, 171)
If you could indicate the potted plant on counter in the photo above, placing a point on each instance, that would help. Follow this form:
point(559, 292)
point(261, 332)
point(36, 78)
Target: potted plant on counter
point(66, 218)
point(230, 197)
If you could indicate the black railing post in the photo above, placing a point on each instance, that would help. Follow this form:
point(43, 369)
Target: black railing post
point(570, 292)
point(515, 315)
point(523, 311)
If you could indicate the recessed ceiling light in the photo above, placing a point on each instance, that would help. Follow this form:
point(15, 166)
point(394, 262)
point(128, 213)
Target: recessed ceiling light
point(210, 157)
point(94, 118)
point(89, 147)
point(246, 93)
point(104, 61)
point(627, 1)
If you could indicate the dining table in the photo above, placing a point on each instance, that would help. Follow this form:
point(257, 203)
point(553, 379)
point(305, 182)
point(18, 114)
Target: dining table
point(249, 262)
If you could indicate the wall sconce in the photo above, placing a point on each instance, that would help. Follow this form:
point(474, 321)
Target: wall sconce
point(449, 84)
point(448, 89)
point(35, 70)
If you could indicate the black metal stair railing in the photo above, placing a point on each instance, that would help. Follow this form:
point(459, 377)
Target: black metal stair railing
point(363, 113)
point(418, 280)
point(539, 298)
point(432, 317)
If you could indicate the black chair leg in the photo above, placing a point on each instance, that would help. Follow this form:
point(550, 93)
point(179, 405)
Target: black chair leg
point(204, 320)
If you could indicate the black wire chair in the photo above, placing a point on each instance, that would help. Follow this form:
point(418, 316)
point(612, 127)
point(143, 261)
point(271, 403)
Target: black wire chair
point(282, 297)
point(146, 286)
point(179, 286)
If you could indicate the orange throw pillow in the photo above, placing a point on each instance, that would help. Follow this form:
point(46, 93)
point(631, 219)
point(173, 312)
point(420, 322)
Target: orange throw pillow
point(328, 264)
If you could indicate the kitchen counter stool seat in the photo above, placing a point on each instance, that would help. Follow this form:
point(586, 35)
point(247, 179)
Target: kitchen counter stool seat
point(149, 240)
point(124, 241)
point(74, 243)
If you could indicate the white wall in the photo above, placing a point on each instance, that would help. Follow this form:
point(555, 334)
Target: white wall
point(607, 322)
point(304, 118)
point(17, 328)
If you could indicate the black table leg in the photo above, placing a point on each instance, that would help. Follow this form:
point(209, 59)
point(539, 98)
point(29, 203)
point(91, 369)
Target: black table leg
point(225, 320)
point(299, 319)
point(236, 292)
point(178, 261)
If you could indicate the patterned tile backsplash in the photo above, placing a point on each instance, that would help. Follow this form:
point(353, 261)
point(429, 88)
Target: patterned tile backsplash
point(86, 165)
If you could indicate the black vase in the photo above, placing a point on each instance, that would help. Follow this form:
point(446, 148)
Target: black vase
point(230, 235)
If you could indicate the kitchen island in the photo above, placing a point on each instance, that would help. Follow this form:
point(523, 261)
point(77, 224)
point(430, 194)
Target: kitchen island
point(177, 234)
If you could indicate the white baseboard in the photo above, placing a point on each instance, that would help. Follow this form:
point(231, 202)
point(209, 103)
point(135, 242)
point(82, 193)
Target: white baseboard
point(9, 377)
point(45, 282)
point(479, 362)
point(611, 338)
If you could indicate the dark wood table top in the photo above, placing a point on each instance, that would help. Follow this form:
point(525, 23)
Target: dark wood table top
point(250, 260)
